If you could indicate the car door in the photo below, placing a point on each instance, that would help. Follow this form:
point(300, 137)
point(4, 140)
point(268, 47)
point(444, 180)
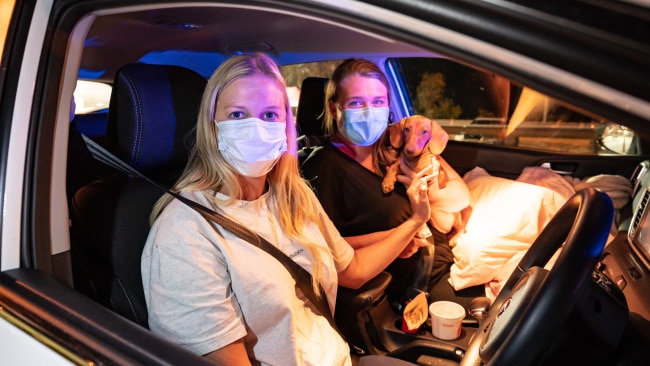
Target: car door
point(41, 316)
point(42, 319)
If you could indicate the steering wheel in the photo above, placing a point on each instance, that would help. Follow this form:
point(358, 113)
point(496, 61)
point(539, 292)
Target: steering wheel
point(533, 305)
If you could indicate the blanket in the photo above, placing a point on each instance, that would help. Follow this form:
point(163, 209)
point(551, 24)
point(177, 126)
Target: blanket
point(508, 215)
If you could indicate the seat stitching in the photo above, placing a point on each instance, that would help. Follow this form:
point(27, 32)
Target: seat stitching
point(135, 315)
point(137, 144)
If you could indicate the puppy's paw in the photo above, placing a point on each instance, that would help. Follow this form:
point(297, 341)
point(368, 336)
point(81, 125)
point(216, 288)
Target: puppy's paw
point(387, 187)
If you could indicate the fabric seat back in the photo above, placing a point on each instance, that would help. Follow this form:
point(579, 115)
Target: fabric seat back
point(310, 115)
point(152, 112)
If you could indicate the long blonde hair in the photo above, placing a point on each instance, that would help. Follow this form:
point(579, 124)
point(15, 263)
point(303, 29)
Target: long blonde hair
point(291, 200)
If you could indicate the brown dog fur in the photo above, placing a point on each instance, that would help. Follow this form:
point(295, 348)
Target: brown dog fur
point(416, 140)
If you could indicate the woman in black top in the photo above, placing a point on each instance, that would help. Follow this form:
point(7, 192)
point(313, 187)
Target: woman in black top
point(346, 176)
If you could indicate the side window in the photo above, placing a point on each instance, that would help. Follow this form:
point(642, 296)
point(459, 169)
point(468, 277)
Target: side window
point(91, 99)
point(91, 96)
point(294, 75)
point(473, 105)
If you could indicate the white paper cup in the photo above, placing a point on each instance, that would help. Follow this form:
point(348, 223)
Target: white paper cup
point(446, 319)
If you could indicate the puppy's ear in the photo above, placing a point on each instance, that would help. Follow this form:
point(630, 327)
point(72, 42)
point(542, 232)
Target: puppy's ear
point(396, 134)
point(439, 138)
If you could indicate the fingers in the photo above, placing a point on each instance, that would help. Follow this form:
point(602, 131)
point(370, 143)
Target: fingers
point(423, 184)
point(413, 246)
point(405, 169)
point(420, 181)
point(404, 179)
point(420, 242)
point(435, 164)
point(424, 233)
point(420, 189)
point(429, 174)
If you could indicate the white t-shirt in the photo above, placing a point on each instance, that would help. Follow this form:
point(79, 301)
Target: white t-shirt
point(205, 291)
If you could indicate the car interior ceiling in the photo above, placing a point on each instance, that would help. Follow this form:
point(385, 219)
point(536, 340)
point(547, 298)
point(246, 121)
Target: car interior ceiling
point(152, 36)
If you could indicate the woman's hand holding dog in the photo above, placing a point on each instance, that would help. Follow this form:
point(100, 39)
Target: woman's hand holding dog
point(418, 193)
point(444, 202)
point(413, 246)
point(407, 175)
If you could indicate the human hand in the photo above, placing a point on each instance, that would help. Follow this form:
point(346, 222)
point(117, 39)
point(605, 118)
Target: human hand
point(407, 174)
point(417, 192)
point(412, 247)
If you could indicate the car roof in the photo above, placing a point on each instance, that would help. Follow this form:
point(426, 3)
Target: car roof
point(602, 42)
point(201, 37)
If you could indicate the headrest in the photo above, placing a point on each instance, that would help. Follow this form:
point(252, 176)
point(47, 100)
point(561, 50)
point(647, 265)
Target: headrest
point(152, 110)
point(311, 106)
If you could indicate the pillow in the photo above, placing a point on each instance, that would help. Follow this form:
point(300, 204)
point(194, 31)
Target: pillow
point(506, 218)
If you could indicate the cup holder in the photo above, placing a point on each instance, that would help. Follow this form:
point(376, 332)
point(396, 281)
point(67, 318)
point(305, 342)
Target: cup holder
point(426, 327)
point(424, 333)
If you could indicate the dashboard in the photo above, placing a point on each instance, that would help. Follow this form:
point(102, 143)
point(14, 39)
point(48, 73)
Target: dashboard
point(626, 259)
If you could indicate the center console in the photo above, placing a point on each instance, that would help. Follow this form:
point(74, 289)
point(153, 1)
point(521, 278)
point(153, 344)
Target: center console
point(373, 327)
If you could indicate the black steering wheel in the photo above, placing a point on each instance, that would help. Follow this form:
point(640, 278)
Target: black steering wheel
point(533, 305)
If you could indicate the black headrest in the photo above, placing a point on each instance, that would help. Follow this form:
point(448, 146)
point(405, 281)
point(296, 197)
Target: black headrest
point(152, 109)
point(311, 106)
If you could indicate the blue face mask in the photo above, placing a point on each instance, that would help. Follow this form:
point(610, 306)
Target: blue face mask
point(364, 126)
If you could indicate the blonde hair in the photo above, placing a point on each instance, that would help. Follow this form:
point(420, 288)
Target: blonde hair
point(291, 200)
point(347, 68)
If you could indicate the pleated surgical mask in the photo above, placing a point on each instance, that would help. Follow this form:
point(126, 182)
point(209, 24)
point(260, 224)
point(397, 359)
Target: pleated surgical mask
point(364, 126)
point(251, 146)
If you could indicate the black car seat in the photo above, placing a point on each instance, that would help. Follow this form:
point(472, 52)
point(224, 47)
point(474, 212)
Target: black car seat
point(310, 116)
point(152, 111)
point(82, 167)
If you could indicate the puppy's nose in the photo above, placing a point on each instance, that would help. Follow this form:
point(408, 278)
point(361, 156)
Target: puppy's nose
point(410, 151)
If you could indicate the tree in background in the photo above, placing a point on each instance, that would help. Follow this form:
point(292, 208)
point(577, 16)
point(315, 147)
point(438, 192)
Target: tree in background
point(430, 98)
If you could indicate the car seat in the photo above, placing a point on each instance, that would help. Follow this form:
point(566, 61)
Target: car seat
point(82, 167)
point(153, 109)
point(310, 115)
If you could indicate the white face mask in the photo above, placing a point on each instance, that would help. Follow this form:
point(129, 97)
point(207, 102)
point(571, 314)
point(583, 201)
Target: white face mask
point(364, 126)
point(251, 146)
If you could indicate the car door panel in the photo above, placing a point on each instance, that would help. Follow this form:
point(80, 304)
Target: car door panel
point(79, 329)
point(509, 162)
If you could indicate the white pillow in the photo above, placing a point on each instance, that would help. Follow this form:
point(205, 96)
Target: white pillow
point(506, 218)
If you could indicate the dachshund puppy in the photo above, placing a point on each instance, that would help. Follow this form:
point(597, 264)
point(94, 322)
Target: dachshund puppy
point(416, 141)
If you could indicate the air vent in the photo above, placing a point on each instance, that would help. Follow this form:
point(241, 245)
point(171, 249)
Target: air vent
point(643, 203)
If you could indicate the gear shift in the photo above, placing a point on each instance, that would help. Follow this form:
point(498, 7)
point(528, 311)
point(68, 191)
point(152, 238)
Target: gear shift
point(479, 307)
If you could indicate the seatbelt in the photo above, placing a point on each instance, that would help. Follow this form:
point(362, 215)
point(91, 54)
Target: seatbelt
point(302, 277)
point(422, 274)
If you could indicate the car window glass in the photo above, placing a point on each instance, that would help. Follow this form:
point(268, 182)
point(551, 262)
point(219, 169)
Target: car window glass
point(91, 96)
point(294, 74)
point(473, 105)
